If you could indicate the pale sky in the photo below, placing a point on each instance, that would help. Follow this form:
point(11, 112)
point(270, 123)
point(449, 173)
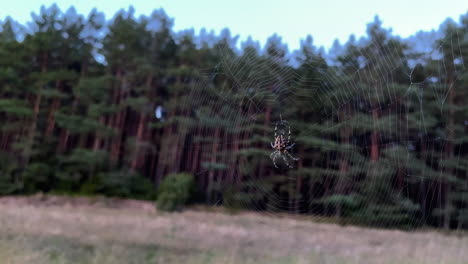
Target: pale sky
point(293, 20)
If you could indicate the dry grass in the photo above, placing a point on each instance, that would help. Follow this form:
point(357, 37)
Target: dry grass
point(84, 230)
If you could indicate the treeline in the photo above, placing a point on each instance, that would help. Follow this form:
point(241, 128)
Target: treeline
point(111, 107)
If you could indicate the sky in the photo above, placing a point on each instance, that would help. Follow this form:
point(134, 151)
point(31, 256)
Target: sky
point(293, 20)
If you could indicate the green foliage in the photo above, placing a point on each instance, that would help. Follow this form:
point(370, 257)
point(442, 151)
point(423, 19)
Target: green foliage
point(398, 213)
point(8, 184)
point(37, 177)
point(14, 107)
point(9, 181)
point(348, 203)
point(379, 141)
point(175, 191)
point(125, 184)
point(241, 196)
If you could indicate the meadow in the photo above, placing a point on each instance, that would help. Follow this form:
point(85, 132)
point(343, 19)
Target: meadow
point(57, 229)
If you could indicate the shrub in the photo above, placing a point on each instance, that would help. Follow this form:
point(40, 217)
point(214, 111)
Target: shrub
point(37, 177)
point(175, 191)
point(124, 184)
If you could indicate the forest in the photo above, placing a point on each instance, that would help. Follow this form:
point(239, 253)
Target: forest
point(115, 107)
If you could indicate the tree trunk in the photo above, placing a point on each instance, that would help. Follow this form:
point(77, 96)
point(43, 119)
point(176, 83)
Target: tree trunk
point(5, 137)
point(55, 106)
point(211, 173)
point(116, 121)
point(300, 165)
point(245, 135)
point(311, 189)
point(345, 133)
point(139, 139)
point(374, 138)
point(65, 134)
point(266, 124)
point(32, 132)
point(37, 104)
point(97, 137)
point(449, 155)
point(135, 164)
point(326, 185)
point(166, 144)
point(422, 183)
point(234, 154)
point(196, 151)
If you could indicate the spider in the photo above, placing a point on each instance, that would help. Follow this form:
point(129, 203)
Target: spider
point(282, 144)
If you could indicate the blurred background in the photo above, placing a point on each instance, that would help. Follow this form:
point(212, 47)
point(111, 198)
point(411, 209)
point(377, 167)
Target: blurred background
point(113, 115)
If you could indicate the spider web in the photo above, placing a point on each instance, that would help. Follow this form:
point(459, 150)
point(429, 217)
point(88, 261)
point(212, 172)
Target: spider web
point(371, 129)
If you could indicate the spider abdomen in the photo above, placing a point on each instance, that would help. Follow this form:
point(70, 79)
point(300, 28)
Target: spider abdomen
point(282, 145)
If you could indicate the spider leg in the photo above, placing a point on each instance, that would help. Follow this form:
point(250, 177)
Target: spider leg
point(272, 146)
point(290, 146)
point(285, 161)
point(273, 157)
point(291, 156)
point(272, 154)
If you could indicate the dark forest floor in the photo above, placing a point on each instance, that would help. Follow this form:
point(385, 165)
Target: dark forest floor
point(57, 229)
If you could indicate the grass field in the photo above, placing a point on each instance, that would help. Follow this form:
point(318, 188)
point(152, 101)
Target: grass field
point(55, 229)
